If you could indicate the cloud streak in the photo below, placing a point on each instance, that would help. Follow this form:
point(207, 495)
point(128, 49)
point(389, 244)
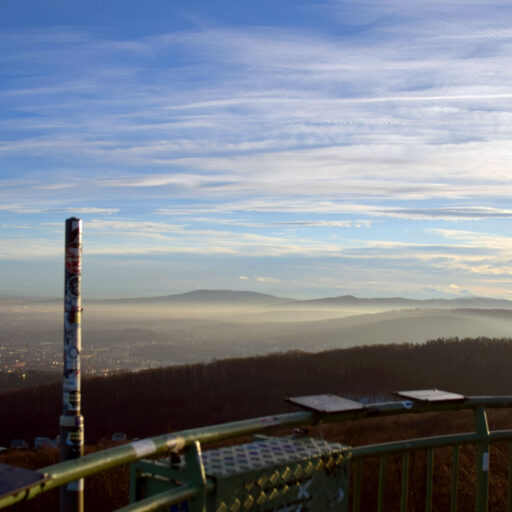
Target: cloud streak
point(367, 132)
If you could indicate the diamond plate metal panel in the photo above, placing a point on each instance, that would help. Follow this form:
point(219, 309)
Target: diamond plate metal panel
point(278, 473)
point(267, 475)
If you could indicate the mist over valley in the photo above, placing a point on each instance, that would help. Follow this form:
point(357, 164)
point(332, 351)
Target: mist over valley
point(206, 325)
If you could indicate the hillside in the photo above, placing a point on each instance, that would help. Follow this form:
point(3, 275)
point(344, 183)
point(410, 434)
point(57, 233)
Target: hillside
point(153, 401)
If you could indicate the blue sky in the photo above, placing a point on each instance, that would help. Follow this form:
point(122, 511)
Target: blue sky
point(290, 147)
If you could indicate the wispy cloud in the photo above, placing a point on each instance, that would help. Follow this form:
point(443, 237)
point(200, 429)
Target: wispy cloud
point(478, 239)
point(455, 213)
point(78, 210)
point(28, 249)
point(450, 214)
point(16, 226)
point(356, 137)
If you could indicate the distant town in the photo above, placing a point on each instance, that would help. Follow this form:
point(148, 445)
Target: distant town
point(47, 356)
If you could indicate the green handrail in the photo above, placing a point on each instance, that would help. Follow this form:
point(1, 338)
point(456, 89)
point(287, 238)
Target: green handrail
point(68, 471)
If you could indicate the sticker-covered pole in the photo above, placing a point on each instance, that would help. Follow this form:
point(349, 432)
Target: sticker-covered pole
point(72, 422)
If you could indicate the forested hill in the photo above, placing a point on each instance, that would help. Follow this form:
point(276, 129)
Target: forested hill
point(155, 401)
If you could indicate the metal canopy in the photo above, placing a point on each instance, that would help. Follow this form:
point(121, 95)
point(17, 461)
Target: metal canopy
point(14, 480)
point(431, 395)
point(328, 404)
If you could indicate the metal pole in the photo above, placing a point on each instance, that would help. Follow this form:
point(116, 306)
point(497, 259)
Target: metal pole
point(482, 461)
point(72, 422)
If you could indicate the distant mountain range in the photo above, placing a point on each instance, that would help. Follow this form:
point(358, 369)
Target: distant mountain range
point(213, 297)
point(249, 297)
point(469, 302)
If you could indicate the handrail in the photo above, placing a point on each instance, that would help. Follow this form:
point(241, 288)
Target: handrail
point(68, 471)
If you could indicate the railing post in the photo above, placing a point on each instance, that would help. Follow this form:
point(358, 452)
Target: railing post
point(195, 469)
point(405, 482)
point(509, 482)
point(430, 480)
point(382, 475)
point(482, 461)
point(72, 422)
point(357, 474)
point(455, 479)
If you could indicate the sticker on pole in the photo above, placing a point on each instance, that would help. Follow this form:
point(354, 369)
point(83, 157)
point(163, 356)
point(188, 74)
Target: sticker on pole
point(144, 447)
point(485, 461)
point(270, 421)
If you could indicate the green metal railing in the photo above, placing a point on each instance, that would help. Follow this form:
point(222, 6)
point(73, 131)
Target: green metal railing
point(190, 441)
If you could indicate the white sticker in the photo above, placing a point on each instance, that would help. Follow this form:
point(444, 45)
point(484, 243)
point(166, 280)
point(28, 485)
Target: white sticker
point(485, 461)
point(341, 495)
point(144, 447)
point(270, 421)
point(76, 485)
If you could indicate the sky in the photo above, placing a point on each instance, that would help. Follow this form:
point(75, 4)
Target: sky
point(293, 147)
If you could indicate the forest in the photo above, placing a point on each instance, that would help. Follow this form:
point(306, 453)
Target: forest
point(152, 402)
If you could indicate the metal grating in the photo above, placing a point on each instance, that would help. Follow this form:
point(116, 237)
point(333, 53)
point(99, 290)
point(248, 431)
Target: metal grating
point(259, 455)
point(266, 475)
point(278, 474)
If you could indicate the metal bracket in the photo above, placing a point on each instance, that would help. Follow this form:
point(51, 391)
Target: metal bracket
point(194, 470)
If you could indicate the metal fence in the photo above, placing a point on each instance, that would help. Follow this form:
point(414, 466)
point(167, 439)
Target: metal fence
point(195, 487)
